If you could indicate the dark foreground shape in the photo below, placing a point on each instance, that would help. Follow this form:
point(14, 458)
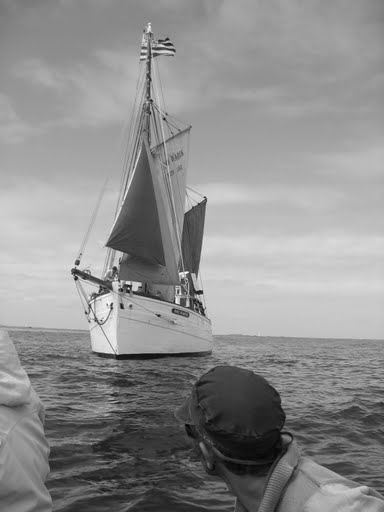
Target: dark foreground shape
point(153, 356)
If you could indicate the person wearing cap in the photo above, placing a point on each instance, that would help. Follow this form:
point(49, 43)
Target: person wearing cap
point(24, 448)
point(236, 420)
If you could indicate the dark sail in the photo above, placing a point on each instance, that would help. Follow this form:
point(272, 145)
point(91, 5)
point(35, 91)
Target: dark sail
point(192, 240)
point(136, 230)
point(143, 227)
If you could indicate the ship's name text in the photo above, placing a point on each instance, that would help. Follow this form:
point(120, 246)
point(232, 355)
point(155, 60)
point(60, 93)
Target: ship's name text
point(180, 312)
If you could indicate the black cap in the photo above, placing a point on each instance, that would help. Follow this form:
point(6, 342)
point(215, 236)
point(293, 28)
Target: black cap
point(237, 411)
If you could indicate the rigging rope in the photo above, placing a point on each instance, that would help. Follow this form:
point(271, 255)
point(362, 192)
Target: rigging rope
point(130, 151)
point(198, 193)
point(135, 122)
point(93, 218)
point(163, 112)
point(164, 116)
point(119, 295)
point(79, 286)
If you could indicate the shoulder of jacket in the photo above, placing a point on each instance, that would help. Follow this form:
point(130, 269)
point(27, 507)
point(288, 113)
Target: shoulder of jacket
point(299, 489)
point(306, 481)
point(347, 496)
point(318, 474)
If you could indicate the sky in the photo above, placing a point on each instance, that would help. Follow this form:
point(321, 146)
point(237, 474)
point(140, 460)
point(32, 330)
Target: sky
point(285, 99)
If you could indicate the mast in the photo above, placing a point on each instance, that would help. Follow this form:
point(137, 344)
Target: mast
point(111, 253)
point(148, 81)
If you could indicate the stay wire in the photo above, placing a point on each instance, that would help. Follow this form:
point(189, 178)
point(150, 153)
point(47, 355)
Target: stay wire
point(93, 218)
point(82, 296)
point(195, 192)
point(163, 112)
point(134, 122)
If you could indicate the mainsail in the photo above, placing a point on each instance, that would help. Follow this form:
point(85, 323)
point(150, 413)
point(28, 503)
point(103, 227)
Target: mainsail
point(136, 230)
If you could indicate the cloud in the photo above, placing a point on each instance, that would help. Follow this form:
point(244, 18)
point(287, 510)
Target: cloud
point(12, 128)
point(291, 58)
point(42, 230)
point(7, 113)
point(308, 246)
point(37, 72)
point(313, 28)
point(291, 195)
point(88, 94)
point(287, 60)
point(297, 263)
point(361, 164)
point(49, 220)
point(225, 193)
point(100, 91)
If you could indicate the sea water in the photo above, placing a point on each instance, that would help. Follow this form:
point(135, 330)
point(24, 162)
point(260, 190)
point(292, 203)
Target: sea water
point(116, 446)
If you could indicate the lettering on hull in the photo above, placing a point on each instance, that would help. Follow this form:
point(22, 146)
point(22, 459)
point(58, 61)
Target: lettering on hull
point(180, 312)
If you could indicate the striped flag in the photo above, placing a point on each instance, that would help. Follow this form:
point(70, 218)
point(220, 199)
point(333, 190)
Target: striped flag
point(159, 47)
point(163, 47)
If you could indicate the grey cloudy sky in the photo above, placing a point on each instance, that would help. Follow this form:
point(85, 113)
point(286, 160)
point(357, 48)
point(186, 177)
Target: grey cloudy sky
point(285, 100)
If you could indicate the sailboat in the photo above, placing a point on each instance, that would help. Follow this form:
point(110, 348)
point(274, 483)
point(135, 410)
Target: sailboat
point(149, 300)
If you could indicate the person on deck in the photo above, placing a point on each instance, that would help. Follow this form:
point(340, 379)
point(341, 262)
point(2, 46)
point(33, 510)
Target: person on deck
point(235, 419)
point(111, 274)
point(24, 449)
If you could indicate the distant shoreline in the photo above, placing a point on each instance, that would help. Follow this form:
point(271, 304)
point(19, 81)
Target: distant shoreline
point(30, 328)
point(232, 335)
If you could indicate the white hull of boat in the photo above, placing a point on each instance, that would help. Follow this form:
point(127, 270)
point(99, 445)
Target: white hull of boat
point(141, 326)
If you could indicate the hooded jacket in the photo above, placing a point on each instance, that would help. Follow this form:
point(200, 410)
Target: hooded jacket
point(298, 484)
point(24, 449)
